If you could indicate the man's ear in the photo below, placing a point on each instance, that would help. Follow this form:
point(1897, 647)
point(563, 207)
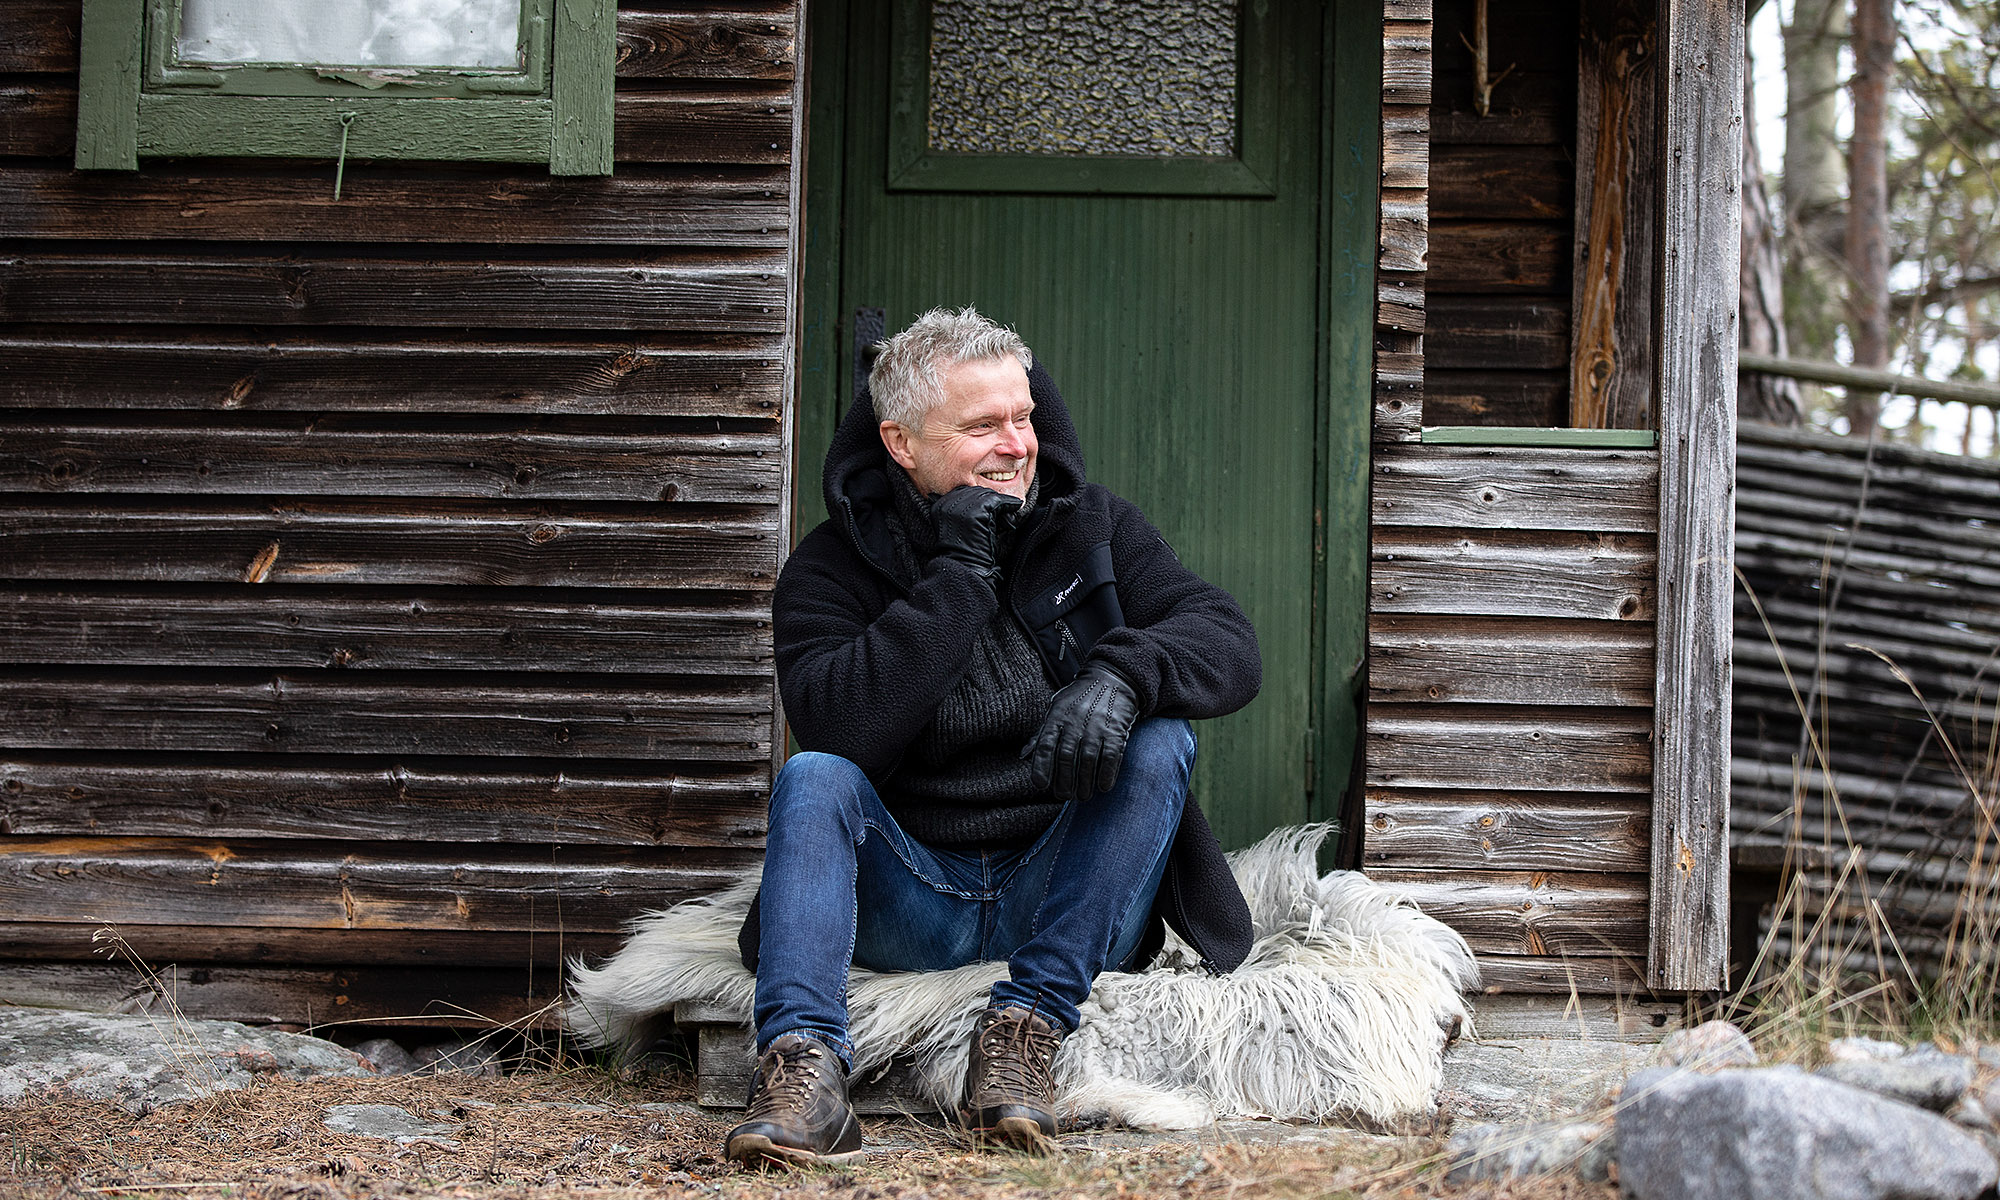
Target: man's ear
point(896, 440)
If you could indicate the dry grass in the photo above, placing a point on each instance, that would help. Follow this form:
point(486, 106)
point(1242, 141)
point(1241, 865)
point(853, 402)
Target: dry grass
point(1805, 987)
point(584, 1132)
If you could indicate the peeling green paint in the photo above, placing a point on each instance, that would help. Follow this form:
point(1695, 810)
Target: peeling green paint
point(582, 87)
point(310, 127)
point(107, 109)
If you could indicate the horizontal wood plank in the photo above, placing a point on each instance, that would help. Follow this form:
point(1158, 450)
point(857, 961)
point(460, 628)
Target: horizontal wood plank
point(1534, 975)
point(672, 127)
point(1489, 660)
point(160, 946)
point(320, 458)
point(1520, 831)
point(1501, 183)
point(234, 203)
point(1492, 256)
point(700, 293)
point(705, 45)
point(346, 885)
point(1484, 487)
point(728, 376)
point(1532, 912)
point(38, 120)
point(1493, 397)
point(517, 996)
point(1497, 332)
point(39, 36)
point(441, 629)
point(634, 804)
point(1512, 573)
point(667, 545)
point(644, 717)
point(1509, 749)
point(1530, 108)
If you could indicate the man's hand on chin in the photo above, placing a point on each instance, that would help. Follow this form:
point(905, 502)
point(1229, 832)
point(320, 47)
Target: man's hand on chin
point(1081, 744)
point(969, 521)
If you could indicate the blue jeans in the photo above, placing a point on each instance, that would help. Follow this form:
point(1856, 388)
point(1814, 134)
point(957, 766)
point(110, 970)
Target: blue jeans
point(844, 884)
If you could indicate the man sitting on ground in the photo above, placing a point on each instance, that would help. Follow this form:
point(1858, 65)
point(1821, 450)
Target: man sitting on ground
point(990, 665)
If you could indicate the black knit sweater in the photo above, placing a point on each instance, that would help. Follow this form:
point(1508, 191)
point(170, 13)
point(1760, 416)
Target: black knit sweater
point(963, 782)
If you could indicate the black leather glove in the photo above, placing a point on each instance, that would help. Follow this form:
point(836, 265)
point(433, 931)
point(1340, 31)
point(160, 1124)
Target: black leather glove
point(969, 521)
point(1081, 743)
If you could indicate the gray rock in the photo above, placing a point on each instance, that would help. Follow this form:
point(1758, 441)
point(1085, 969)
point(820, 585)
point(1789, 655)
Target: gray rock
point(1498, 1153)
point(465, 1058)
point(1777, 1133)
point(141, 1062)
point(389, 1122)
point(1534, 1079)
point(1709, 1046)
point(388, 1056)
point(1933, 1081)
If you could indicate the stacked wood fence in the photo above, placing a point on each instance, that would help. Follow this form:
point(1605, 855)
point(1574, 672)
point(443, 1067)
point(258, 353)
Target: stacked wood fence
point(1867, 682)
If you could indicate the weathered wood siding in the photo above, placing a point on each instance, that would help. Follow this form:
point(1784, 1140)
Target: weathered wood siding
point(1502, 207)
point(1510, 684)
point(384, 582)
point(1514, 590)
point(1403, 227)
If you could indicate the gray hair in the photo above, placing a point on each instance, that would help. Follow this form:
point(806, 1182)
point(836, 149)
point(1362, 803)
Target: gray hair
point(908, 376)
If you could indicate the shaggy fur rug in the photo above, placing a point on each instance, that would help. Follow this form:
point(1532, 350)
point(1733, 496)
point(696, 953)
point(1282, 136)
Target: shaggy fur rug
point(1342, 1010)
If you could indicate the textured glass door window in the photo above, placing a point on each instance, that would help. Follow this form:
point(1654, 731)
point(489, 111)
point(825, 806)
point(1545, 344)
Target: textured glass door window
point(460, 34)
point(1090, 77)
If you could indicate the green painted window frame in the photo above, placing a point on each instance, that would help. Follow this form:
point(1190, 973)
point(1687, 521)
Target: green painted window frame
point(135, 101)
point(915, 167)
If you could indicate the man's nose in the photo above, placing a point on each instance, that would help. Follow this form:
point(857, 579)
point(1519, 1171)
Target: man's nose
point(1011, 444)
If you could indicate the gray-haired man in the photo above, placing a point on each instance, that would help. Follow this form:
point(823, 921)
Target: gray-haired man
point(991, 664)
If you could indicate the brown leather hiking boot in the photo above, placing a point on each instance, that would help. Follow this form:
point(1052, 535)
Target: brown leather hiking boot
point(799, 1114)
point(1010, 1090)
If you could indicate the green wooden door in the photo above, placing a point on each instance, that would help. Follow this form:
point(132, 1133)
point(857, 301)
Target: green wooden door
point(1180, 299)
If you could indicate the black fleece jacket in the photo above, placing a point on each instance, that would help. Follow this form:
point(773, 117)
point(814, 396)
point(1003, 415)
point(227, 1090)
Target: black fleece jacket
point(864, 658)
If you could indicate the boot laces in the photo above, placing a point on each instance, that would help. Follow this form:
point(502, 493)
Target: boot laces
point(786, 1079)
point(1019, 1056)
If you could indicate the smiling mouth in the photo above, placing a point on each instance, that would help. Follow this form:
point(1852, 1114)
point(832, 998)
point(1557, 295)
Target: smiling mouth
point(1000, 476)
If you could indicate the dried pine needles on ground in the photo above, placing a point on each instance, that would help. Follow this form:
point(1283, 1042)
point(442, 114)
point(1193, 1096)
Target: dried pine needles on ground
point(586, 1133)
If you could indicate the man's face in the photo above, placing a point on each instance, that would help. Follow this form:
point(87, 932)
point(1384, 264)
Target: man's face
point(979, 435)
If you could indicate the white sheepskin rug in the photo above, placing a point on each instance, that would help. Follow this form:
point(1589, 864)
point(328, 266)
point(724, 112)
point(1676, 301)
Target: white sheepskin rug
point(1342, 1010)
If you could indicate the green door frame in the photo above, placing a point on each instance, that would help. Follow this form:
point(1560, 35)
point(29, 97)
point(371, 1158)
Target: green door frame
point(1351, 97)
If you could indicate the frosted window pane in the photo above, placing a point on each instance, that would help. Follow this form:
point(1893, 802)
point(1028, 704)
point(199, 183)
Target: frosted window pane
point(353, 33)
point(1087, 77)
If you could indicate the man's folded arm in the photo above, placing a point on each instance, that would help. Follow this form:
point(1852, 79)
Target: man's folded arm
point(1186, 647)
point(864, 689)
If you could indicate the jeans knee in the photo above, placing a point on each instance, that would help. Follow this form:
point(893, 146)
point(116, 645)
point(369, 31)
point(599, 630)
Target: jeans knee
point(819, 785)
point(1161, 750)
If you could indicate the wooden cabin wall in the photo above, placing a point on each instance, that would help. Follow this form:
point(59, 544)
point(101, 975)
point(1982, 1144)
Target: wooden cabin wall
point(1510, 689)
point(1512, 592)
point(384, 582)
point(1502, 208)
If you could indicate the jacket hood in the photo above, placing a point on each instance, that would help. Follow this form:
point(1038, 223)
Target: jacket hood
point(856, 462)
